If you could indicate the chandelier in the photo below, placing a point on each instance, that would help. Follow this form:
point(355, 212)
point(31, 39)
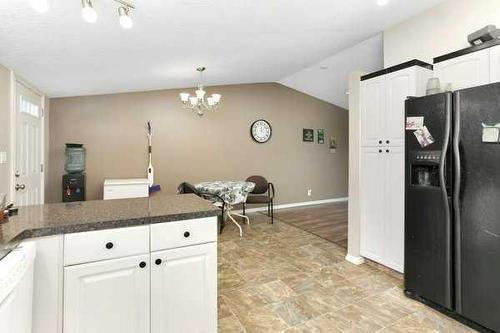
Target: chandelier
point(89, 14)
point(199, 103)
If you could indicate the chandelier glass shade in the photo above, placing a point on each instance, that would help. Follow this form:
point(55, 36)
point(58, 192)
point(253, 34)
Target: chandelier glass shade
point(199, 103)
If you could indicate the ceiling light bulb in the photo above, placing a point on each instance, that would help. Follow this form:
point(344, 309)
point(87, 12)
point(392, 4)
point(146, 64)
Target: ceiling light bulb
point(88, 12)
point(40, 6)
point(382, 2)
point(216, 98)
point(193, 100)
point(200, 93)
point(125, 20)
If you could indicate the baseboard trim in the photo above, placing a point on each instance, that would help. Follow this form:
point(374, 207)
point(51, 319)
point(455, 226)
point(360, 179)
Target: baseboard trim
point(297, 204)
point(356, 260)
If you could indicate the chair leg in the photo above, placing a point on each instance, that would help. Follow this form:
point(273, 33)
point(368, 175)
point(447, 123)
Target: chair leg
point(244, 209)
point(268, 209)
point(222, 221)
point(272, 211)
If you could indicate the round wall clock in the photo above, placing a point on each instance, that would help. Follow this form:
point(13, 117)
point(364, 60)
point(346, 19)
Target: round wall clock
point(261, 131)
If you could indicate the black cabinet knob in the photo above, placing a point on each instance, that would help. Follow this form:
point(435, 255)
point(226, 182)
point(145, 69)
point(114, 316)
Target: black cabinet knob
point(109, 245)
point(158, 261)
point(142, 264)
point(187, 234)
point(387, 151)
point(388, 142)
point(380, 142)
point(380, 150)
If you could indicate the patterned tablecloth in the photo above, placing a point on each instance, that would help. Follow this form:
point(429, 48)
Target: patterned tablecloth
point(232, 192)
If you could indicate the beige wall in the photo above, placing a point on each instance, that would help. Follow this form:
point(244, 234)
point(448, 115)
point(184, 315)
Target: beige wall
point(217, 146)
point(5, 124)
point(438, 31)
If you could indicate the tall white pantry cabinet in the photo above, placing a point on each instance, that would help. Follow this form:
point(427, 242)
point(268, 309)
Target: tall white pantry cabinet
point(382, 166)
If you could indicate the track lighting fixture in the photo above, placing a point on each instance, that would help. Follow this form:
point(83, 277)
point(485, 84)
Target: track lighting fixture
point(125, 19)
point(88, 12)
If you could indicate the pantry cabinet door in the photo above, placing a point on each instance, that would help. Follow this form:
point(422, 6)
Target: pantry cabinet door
point(111, 296)
point(184, 290)
point(466, 71)
point(394, 204)
point(372, 111)
point(495, 64)
point(372, 180)
point(398, 86)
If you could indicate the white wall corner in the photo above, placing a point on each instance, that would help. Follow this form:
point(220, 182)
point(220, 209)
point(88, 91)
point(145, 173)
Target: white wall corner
point(328, 79)
point(356, 260)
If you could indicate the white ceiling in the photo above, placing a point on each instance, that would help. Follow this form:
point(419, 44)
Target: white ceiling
point(328, 79)
point(239, 41)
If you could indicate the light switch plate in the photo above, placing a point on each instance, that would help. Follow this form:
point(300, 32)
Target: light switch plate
point(3, 157)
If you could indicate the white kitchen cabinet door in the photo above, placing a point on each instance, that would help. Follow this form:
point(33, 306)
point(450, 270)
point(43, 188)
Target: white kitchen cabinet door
point(111, 296)
point(372, 182)
point(495, 64)
point(184, 290)
point(372, 111)
point(398, 86)
point(466, 71)
point(394, 204)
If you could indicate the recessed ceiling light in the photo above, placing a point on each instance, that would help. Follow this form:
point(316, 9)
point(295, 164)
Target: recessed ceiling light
point(40, 6)
point(382, 2)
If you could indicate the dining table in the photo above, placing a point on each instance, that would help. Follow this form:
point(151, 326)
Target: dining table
point(228, 194)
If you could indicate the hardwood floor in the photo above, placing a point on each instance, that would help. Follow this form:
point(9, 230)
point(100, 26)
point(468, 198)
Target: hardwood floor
point(328, 221)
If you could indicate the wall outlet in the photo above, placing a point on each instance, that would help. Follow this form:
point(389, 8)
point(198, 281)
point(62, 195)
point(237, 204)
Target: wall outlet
point(3, 157)
point(309, 192)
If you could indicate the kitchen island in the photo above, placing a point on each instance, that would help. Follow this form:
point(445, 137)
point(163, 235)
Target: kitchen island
point(130, 265)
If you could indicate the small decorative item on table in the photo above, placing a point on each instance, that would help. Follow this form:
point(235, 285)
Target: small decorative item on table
point(307, 135)
point(321, 136)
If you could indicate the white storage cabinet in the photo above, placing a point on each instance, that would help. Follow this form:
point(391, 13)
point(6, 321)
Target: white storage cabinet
point(382, 162)
point(113, 283)
point(469, 70)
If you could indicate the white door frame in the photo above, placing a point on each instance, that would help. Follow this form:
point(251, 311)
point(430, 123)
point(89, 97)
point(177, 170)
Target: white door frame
point(14, 80)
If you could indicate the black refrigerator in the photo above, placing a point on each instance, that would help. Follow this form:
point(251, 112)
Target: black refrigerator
point(452, 203)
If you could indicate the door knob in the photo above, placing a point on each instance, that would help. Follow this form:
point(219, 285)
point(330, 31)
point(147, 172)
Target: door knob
point(20, 187)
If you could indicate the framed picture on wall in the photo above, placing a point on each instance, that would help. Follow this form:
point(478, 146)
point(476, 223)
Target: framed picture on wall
point(333, 145)
point(321, 136)
point(308, 135)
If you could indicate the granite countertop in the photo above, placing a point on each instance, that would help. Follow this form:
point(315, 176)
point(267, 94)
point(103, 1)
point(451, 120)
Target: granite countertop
point(64, 218)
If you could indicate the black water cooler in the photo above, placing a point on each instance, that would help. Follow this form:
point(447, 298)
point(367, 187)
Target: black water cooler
point(73, 182)
point(73, 187)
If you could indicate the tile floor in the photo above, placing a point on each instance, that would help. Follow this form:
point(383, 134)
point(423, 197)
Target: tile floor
point(279, 278)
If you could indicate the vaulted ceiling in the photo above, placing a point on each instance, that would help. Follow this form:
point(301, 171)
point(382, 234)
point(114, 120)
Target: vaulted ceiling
point(239, 41)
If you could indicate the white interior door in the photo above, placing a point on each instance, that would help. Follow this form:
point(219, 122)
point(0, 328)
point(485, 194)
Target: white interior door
point(28, 169)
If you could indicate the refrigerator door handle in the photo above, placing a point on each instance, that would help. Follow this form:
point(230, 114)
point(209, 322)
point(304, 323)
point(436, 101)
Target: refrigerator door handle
point(444, 191)
point(457, 175)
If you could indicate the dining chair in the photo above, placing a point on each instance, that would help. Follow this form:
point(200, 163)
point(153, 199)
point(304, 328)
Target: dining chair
point(263, 193)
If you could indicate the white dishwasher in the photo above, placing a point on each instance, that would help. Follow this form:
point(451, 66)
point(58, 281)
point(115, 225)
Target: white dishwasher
point(16, 289)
